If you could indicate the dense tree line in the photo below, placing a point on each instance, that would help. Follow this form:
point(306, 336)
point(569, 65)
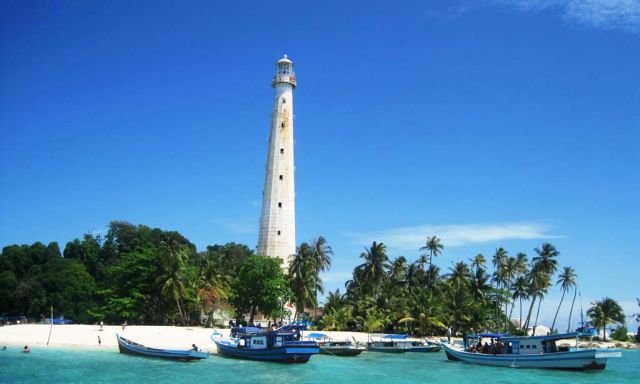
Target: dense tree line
point(136, 273)
point(418, 298)
point(149, 276)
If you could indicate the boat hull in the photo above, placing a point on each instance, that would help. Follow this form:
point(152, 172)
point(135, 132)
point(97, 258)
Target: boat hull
point(587, 359)
point(340, 351)
point(130, 347)
point(289, 353)
point(427, 348)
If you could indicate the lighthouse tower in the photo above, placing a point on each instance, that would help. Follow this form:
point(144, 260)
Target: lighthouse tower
point(277, 236)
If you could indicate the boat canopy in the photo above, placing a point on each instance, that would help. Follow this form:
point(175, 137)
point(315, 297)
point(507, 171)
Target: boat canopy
point(317, 336)
point(395, 336)
point(491, 335)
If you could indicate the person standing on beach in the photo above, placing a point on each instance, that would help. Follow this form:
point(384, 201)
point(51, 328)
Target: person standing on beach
point(124, 325)
point(99, 341)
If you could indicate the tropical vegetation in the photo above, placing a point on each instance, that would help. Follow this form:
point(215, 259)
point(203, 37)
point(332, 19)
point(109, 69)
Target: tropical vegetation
point(151, 276)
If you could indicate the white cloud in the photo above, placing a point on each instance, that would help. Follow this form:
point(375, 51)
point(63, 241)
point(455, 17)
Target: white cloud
point(412, 238)
point(605, 14)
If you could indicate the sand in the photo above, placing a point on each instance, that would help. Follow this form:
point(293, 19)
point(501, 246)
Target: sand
point(86, 336)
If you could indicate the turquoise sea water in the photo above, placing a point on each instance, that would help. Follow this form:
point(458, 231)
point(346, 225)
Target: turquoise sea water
point(46, 365)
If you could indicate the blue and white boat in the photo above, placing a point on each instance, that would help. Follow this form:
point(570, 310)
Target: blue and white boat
point(280, 345)
point(133, 348)
point(530, 352)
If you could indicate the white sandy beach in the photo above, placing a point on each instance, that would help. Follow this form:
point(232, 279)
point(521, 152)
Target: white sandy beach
point(86, 336)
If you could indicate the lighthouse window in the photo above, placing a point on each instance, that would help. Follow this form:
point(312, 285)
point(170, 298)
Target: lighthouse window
point(281, 150)
point(279, 205)
point(284, 101)
point(278, 233)
point(280, 177)
point(282, 125)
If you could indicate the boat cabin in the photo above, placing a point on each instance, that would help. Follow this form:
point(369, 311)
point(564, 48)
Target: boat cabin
point(492, 343)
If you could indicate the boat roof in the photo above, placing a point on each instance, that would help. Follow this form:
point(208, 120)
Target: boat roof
point(559, 336)
point(395, 336)
point(317, 336)
point(491, 335)
point(507, 337)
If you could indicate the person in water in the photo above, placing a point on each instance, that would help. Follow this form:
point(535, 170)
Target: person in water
point(26, 349)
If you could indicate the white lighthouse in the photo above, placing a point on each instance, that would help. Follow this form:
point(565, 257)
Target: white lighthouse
point(277, 236)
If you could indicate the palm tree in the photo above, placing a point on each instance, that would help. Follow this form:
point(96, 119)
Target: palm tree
point(538, 281)
point(605, 312)
point(575, 293)
point(374, 320)
point(334, 300)
point(374, 267)
point(510, 270)
point(460, 275)
point(566, 280)
point(173, 256)
point(399, 270)
point(434, 246)
point(479, 285)
point(478, 262)
point(547, 258)
point(499, 275)
point(301, 277)
point(321, 260)
point(520, 292)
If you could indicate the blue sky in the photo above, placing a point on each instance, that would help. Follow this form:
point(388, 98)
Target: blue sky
point(485, 123)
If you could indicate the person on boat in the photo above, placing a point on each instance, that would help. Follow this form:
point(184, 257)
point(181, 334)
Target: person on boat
point(195, 347)
point(26, 349)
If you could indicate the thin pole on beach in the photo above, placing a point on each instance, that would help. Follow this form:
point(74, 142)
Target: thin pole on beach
point(50, 329)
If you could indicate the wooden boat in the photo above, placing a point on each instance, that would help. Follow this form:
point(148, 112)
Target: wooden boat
point(395, 343)
point(332, 347)
point(131, 347)
point(389, 344)
point(530, 352)
point(420, 346)
point(280, 345)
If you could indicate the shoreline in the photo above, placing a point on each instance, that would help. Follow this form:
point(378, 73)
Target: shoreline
point(167, 337)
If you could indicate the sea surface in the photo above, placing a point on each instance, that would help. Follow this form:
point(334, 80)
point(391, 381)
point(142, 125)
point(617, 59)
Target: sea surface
point(48, 365)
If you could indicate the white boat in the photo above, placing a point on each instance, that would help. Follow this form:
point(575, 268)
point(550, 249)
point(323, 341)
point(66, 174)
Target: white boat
point(530, 352)
point(399, 343)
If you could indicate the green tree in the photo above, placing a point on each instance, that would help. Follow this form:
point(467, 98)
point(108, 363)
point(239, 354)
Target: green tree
point(302, 278)
point(478, 262)
point(434, 247)
point(567, 281)
point(260, 286)
point(605, 312)
point(520, 291)
point(376, 263)
point(321, 254)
